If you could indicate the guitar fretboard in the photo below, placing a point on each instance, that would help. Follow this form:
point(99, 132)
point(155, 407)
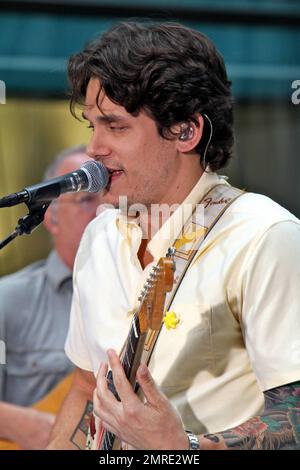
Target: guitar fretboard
point(128, 360)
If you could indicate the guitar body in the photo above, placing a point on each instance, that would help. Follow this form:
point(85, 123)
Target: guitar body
point(51, 403)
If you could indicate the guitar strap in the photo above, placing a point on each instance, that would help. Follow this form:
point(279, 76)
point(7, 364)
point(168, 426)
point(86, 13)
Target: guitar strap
point(189, 242)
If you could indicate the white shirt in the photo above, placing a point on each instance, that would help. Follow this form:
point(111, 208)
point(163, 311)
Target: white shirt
point(239, 307)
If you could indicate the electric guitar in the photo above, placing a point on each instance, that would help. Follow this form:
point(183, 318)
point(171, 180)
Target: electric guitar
point(146, 320)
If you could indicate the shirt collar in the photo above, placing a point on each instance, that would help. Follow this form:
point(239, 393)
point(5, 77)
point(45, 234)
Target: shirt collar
point(169, 231)
point(56, 270)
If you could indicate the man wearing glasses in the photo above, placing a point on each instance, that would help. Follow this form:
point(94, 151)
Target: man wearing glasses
point(34, 314)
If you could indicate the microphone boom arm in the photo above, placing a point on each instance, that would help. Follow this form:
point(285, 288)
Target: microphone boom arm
point(29, 222)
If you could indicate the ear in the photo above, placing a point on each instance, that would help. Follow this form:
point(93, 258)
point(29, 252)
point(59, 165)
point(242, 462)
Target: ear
point(192, 136)
point(50, 222)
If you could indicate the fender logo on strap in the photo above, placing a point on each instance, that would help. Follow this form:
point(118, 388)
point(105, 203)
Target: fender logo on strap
point(209, 201)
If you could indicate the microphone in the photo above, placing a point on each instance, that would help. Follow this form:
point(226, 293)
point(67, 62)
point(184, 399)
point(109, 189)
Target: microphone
point(91, 177)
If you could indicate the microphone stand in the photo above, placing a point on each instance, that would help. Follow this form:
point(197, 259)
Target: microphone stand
point(29, 222)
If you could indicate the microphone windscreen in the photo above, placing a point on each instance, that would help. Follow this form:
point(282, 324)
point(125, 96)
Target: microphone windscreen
point(97, 175)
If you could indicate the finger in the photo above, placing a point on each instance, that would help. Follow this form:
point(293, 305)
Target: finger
point(102, 372)
point(122, 385)
point(151, 392)
point(102, 369)
point(101, 383)
point(105, 398)
point(104, 414)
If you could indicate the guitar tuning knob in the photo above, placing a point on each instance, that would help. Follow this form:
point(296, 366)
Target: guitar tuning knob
point(171, 252)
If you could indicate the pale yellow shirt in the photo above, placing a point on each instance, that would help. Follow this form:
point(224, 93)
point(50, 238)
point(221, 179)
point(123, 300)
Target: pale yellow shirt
point(239, 307)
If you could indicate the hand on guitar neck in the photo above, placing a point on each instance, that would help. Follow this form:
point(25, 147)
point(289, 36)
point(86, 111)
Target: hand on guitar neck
point(152, 424)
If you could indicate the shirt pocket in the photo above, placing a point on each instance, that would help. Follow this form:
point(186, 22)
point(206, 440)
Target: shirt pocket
point(30, 363)
point(185, 351)
point(30, 375)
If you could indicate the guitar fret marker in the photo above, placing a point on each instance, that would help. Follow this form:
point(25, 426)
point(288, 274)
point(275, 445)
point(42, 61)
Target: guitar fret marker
point(135, 329)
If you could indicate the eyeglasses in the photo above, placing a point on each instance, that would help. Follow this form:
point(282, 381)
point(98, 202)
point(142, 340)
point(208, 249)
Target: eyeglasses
point(87, 202)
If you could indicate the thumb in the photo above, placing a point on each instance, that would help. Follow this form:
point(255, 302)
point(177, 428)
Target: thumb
point(148, 386)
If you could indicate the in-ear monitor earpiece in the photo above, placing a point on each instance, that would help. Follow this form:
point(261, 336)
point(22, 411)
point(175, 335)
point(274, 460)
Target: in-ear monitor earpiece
point(186, 133)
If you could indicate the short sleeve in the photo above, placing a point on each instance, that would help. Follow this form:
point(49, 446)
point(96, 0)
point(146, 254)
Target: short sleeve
point(76, 346)
point(271, 305)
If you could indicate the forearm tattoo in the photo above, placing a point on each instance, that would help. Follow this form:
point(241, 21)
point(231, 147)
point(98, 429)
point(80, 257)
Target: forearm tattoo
point(277, 428)
point(80, 433)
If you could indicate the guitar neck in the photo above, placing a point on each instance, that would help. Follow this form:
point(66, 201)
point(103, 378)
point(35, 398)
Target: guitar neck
point(133, 351)
point(148, 317)
point(131, 359)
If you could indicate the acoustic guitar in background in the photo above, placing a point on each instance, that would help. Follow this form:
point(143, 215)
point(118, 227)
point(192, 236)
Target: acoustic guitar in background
point(49, 404)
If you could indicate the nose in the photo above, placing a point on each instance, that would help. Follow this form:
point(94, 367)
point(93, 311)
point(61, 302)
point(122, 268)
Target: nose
point(97, 148)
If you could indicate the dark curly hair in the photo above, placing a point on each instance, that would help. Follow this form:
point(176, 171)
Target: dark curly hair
point(168, 70)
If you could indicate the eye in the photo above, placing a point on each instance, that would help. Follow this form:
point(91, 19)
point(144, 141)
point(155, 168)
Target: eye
point(117, 128)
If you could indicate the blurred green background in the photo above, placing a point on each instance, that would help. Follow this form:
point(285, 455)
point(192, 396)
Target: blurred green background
point(260, 42)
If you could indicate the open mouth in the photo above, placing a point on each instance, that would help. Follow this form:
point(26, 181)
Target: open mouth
point(114, 173)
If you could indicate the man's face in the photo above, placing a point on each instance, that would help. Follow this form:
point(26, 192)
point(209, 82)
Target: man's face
point(71, 213)
point(143, 165)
